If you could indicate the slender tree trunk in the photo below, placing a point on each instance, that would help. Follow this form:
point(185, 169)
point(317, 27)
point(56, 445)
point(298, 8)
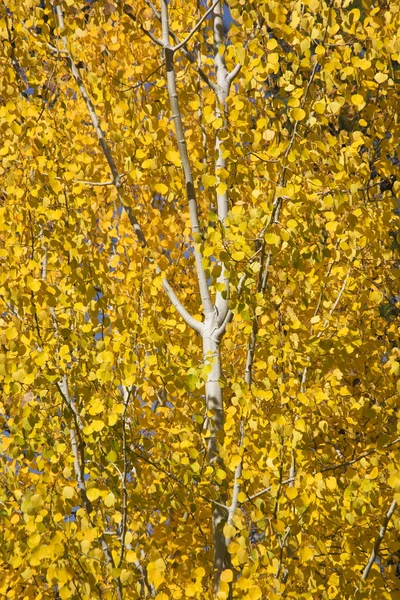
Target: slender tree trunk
point(215, 408)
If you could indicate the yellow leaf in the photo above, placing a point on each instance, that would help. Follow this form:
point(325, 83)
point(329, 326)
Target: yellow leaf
point(124, 575)
point(334, 107)
point(300, 425)
point(93, 494)
point(331, 226)
point(357, 99)
point(96, 407)
point(109, 500)
point(221, 188)
point(34, 285)
point(19, 375)
point(238, 255)
point(291, 493)
point(229, 531)
point(55, 186)
point(293, 102)
point(97, 425)
point(306, 554)
point(11, 333)
point(155, 571)
point(34, 540)
point(291, 224)
point(112, 419)
point(161, 188)
point(331, 483)
point(319, 107)
point(68, 492)
point(173, 156)
point(209, 180)
point(255, 593)
point(299, 114)
point(272, 238)
point(380, 77)
point(227, 576)
point(131, 556)
point(374, 473)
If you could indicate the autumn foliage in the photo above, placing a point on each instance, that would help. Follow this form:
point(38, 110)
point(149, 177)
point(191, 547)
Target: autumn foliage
point(199, 299)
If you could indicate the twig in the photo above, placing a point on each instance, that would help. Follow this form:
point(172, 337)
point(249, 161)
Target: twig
point(348, 463)
point(266, 490)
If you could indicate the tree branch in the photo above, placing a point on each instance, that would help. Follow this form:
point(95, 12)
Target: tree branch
point(188, 55)
point(128, 10)
point(235, 71)
point(186, 316)
point(266, 490)
point(195, 28)
point(70, 402)
point(226, 318)
point(348, 463)
point(378, 540)
point(184, 156)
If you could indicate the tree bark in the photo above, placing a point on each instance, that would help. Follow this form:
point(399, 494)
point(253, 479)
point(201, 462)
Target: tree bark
point(215, 410)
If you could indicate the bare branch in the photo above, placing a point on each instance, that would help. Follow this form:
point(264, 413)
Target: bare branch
point(195, 28)
point(378, 540)
point(188, 55)
point(235, 71)
point(184, 156)
point(236, 485)
point(128, 10)
point(69, 400)
point(186, 316)
point(127, 395)
point(348, 463)
point(266, 490)
point(93, 183)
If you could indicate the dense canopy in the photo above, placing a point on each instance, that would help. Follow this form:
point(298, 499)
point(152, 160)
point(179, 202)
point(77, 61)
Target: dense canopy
point(199, 299)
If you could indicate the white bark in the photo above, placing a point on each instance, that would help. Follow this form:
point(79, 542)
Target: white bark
point(222, 92)
point(215, 408)
point(378, 540)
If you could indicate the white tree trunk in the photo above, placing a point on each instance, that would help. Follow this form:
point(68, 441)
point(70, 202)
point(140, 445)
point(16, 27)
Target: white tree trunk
point(215, 410)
